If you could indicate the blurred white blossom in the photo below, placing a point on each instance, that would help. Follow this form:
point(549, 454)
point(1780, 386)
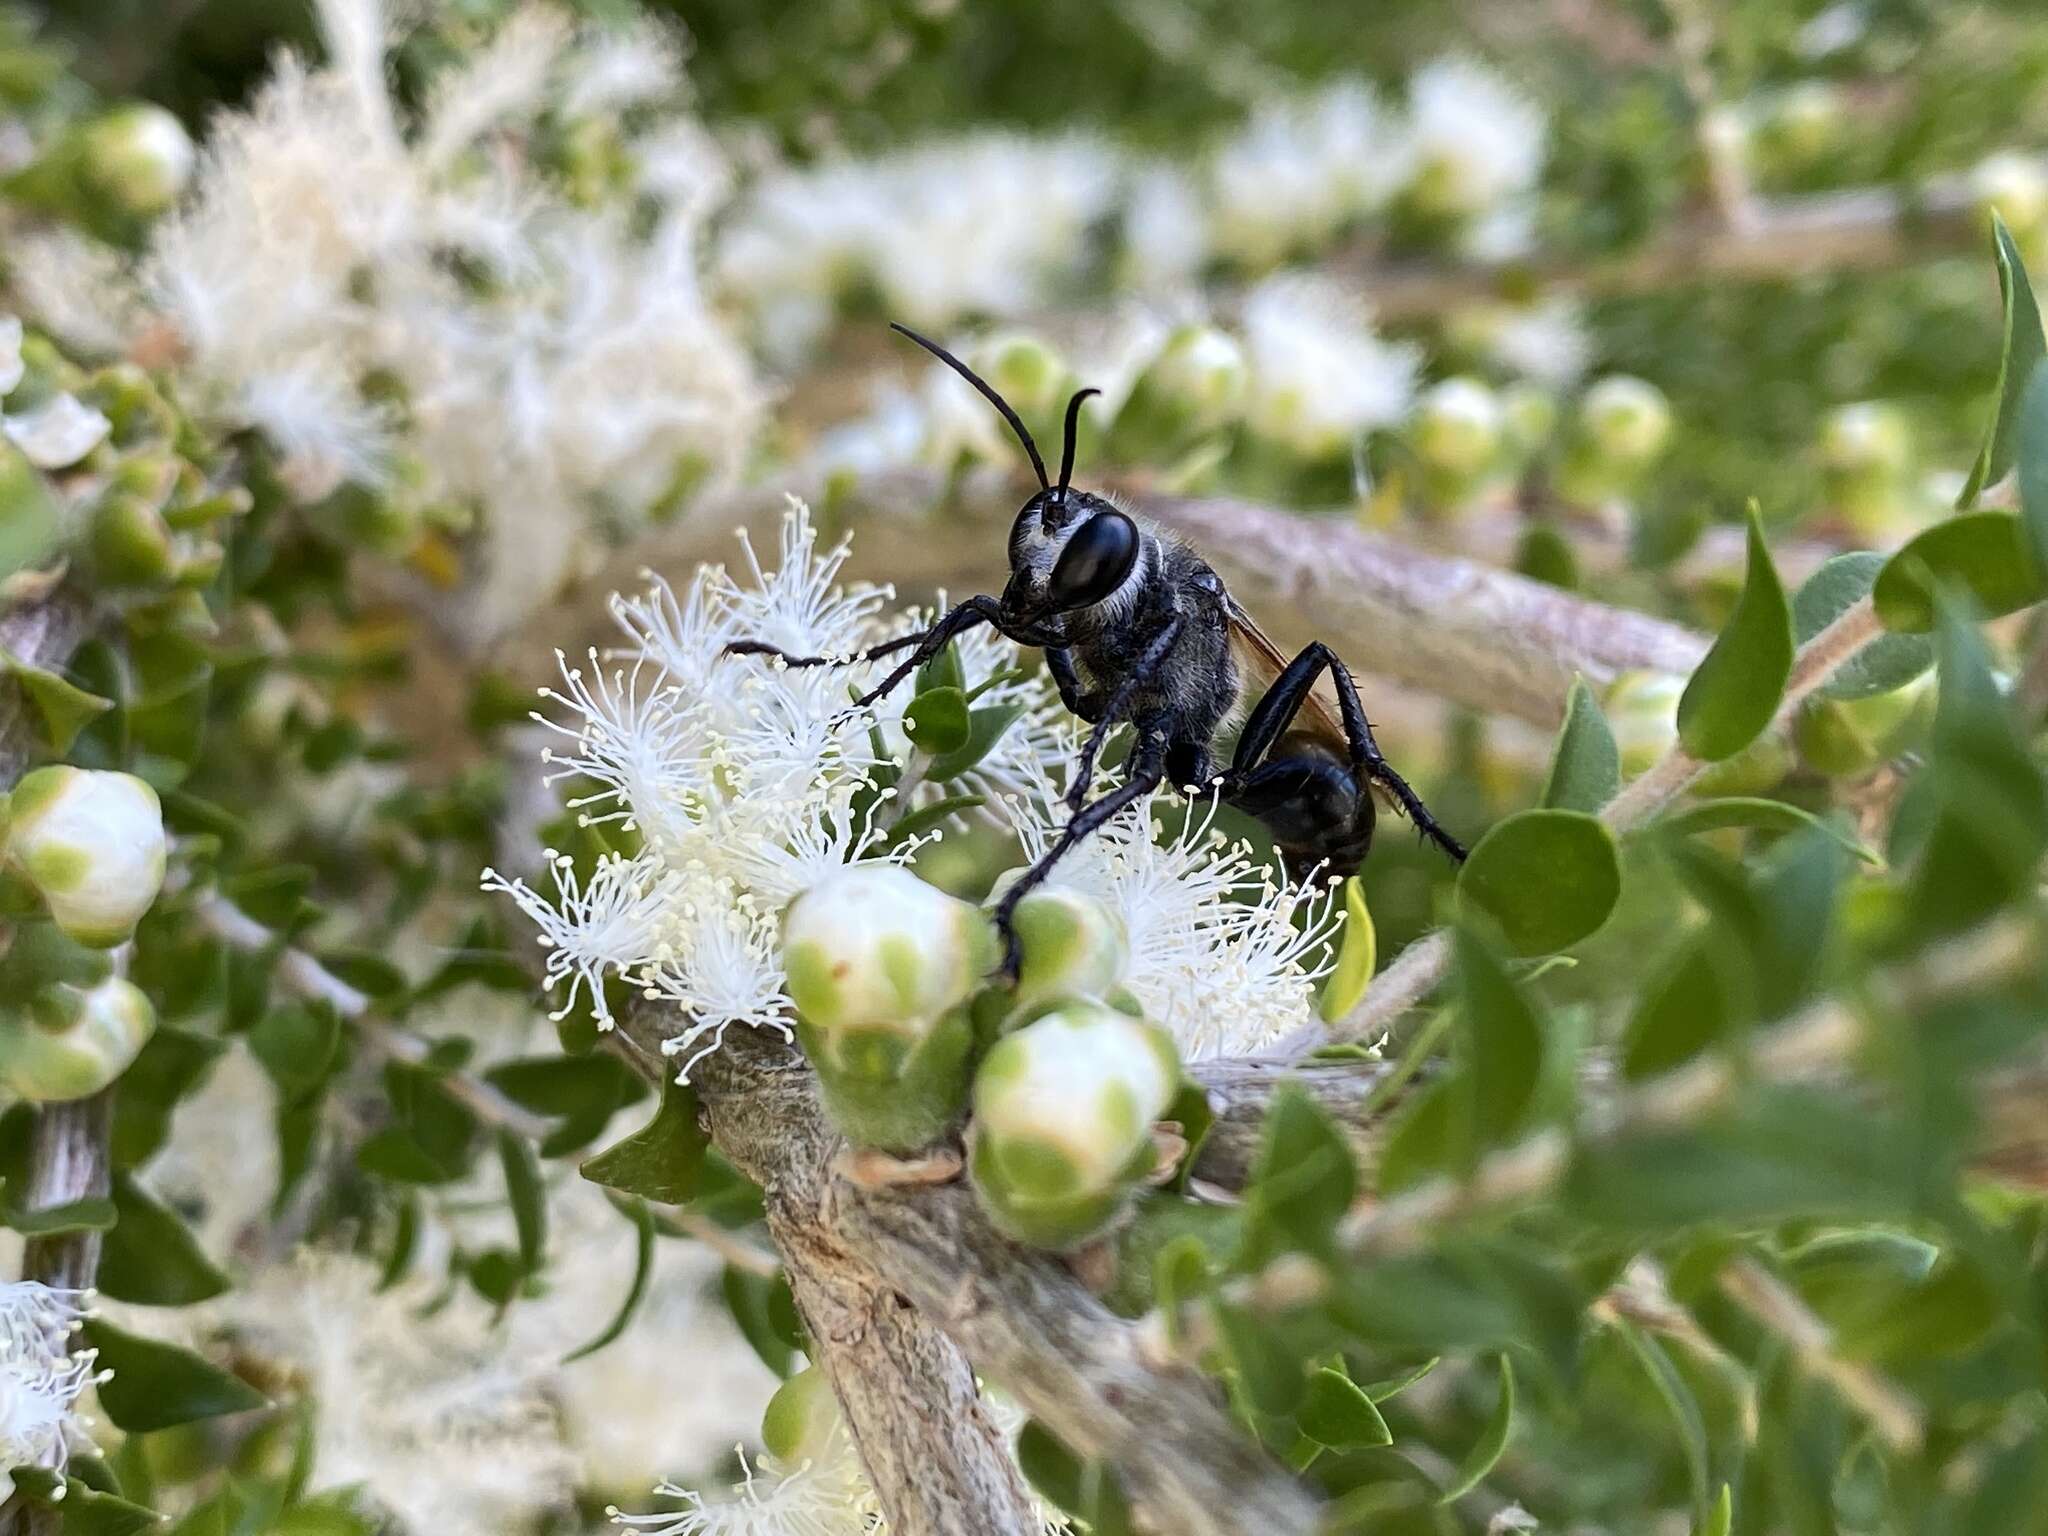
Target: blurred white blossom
point(40, 1378)
point(1320, 374)
point(1300, 171)
point(419, 306)
point(1473, 139)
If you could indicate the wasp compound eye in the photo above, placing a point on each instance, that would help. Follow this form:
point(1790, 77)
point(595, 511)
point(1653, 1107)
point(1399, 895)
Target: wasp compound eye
point(1095, 562)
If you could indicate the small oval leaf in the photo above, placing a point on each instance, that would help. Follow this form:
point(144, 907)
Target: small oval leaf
point(1481, 1458)
point(1771, 815)
point(1337, 1413)
point(1985, 553)
point(1546, 879)
point(2023, 352)
point(1735, 691)
point(1585, 769)
point(156, 1385)
point(1357, 957)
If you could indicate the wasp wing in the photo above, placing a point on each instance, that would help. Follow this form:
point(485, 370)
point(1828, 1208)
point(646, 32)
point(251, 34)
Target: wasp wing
point(1259, 665)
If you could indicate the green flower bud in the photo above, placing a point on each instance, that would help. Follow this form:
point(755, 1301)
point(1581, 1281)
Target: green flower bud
point(802, 1418)
point(1642, 711)
point(2013, 186)
point(92, 843)
point(131, 544)
point(1802, 124)
point(74, 1041)
point(1529, 413)
point(1063, 1116)
point(1626, 420)
point(1025, 371)
point(880, 966)
point(1200, 376)
point(1757, 769)
point(1072, 946)
point(1458, 426)
point(1851, 736)
point(140, 156)
point(1866, 452)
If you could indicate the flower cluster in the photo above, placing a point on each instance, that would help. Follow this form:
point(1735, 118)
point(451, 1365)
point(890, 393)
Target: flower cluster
point(730, 785)
point(997, 224)
point(486, 313)
point(41, 1378)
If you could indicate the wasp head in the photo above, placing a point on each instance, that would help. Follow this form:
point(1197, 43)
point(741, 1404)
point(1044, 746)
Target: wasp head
point(1069, 550)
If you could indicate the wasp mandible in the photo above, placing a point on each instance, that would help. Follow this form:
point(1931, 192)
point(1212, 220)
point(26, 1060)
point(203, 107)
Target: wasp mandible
point(1137, 629)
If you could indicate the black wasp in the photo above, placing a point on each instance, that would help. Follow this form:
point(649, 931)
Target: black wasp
point(1136, 628)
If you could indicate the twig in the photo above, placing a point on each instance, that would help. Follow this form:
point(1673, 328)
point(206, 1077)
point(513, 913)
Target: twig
point(305, 975)
point(1018, 1315)
point(1779, 1308)
point(1416, 971)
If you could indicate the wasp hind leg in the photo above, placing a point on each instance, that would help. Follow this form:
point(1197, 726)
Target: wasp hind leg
point(1275, 712)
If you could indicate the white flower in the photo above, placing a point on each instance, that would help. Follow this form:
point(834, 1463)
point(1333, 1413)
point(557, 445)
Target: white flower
point(1473, 139)
point(1320, 375)
point(11, 367)
point(40, 1379)
point(1165, 230)
point(59, 433)
point(639, 742)
point(1545, 341)
point(618, 920)
point(1217, 956)
point(731, 974)
point(815, 1499)
point(800, 606)
point(1300, 171)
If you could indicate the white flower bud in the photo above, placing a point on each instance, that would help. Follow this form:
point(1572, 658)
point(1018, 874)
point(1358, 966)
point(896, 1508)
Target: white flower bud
point(1063, 1116)
point(58, 433)
point(880, 965)
point(141, 156)
point(1072, 945)
point(1201, 376)
point(1627, 420)
point(1458, 426)
point(92, 843)
point(74, 1041)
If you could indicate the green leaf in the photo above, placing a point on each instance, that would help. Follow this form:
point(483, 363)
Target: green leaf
point(636, 1292)
point(1503, 1060)
point(1304, 1180)
point(925, 817)
point(1770, 815)
point(1087, 1490)
point(663, 1161)
point(156, 1385)
point(64, 708)
point(1678, 1401)
point(1338, 1413)
point(151, 1257)
point(298, 1045)
point(1270, 1373)
point(1180, 1274)
point(367, 971)
point(1394, 1386)
point(2023, 352)
point(83, 1509)
point(528, 1196)
point(584, 1091)
point(172, 1064)
point(985, 726)
point(1887, 663)
point(766, 1314)
point(1984, 553)
point(937, 722)
point(1721, 1517)
point(1481, 1458)
point(1357, 958)
point(1735, 691)
point(1546, 878)
point(1585, 768)
point(2033, 465)
point(91, 1214)
point(1685, 1009)
point(943, 671)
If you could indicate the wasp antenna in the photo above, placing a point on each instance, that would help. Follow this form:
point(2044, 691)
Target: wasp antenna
point(1073, 426)
point(988, 393)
